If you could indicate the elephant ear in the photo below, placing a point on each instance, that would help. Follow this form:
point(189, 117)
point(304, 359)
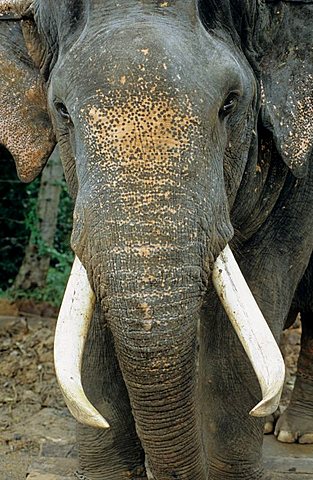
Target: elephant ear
point(287, 81)
point(25, 127)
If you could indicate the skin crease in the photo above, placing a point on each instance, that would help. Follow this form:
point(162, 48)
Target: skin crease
point(163, 177)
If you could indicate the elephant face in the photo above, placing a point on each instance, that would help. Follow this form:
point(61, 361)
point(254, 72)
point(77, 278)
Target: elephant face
point(155, 106)
point(147, 135)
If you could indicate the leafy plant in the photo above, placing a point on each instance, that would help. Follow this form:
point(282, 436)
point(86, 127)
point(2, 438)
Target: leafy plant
point(16, 199)
point(19, 224)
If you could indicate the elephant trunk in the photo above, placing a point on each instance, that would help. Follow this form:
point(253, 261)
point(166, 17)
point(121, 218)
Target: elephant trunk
point(151, 294)
point(156, 342)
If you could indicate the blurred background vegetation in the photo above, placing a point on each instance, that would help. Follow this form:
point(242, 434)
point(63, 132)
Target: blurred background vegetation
point(35, 228)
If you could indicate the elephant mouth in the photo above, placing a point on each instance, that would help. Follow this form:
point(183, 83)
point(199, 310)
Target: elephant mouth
point(241, 308)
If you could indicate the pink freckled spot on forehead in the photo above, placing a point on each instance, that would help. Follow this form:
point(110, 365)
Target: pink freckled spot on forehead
point(141, 131)
point(138, 141)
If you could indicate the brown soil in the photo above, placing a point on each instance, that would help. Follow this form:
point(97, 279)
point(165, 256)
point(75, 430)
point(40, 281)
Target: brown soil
point(35, 426)
point(37, 434)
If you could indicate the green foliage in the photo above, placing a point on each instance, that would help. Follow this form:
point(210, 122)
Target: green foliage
point(54, 288)
point(64, 227)
point(15, 200)
point(19, 223)
point(31, 220)
point(61, 255)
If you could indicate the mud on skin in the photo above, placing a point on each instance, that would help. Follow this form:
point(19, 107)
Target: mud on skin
point(183, 126)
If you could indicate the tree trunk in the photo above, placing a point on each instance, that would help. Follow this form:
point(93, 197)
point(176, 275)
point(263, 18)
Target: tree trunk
point(34, 269)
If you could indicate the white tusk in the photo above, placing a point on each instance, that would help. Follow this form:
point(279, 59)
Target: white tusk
point(252, 330)
point(70, 337)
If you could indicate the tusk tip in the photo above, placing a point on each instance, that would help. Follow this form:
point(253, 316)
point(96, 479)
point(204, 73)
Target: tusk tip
point(98, 422)
point(81, 408)
point(89, 416)
point(267, 406)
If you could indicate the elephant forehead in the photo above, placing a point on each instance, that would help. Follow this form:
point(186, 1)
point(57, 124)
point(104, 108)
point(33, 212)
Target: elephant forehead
point(141, 130)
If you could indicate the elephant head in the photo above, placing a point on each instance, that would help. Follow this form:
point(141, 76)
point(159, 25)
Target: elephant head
point(155, 106)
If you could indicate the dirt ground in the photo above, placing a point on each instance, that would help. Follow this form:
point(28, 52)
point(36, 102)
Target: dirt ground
point(37, 434)
point(36, 429)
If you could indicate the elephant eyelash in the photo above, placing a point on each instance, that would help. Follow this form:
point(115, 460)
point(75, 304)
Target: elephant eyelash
point(229, 105)
point(62, 111)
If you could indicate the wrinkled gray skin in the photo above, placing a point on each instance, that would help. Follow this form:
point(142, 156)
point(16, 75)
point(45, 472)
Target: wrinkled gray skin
point(182, 130)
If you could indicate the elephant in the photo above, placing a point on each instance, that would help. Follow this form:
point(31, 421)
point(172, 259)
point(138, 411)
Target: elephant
point(185, 130)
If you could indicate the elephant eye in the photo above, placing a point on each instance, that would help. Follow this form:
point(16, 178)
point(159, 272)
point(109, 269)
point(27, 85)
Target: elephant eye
point(229, 105)
point(62, 110)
